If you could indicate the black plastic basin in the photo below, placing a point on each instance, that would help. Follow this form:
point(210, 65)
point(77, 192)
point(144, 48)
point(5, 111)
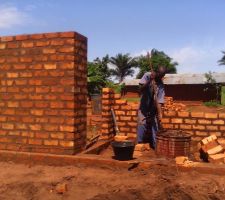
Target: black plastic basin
point(123, 150)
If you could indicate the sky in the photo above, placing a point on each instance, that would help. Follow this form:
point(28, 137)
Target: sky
point(192, 32)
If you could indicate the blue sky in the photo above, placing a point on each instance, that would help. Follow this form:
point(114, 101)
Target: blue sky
point(190, 31)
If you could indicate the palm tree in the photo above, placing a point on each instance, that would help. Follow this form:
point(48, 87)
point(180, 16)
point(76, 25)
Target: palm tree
point(124, 65)
point(222, 60)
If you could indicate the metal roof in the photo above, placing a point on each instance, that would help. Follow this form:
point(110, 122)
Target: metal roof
point(174, 79)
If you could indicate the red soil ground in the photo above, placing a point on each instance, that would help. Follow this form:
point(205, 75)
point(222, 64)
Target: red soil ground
point(21, 182)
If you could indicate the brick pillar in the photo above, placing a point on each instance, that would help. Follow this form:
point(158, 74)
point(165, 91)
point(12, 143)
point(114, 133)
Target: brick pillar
point(43, 92)
point(107, 120)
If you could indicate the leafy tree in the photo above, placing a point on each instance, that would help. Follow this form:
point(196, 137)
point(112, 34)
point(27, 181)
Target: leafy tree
point(124, 65)
point(211, 81)
point(98, 74)
point(222, 60)
point(158, 58)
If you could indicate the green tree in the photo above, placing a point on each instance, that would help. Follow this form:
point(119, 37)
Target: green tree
point(124, 65)
point(222, 60)
point(158, 58)
point(98, 74)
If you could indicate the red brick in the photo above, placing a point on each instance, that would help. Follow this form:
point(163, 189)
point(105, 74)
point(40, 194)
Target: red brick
point(21, 37)
point(57, 42)
point(13, 45)
point(8, 112)
point(19, 66)
point(43, 89)
point(36, 66)
point(35, 141)
point(35, 96)
point(28, 119)
point(41, 73)
point(51, 142)
point(169, 114)
point(6, 38)
point(51, 127)
point(49, 51)
point(20, 96)
point(27, 44)
point(185, 126)
point(21, 126)
point(69, 65)
point(177, 120)
point(212, 128)
point(168, 126)
point(2, 46)
point(197, 114)
point(35, 127)
point(198, 127)
point(7, 126)
point(211, 115)
point(190, 121)
point(218, 122)
point(41, 135)
point(41, 104)
point(26, 59)
point(183, 114)
point(37, 112)
point(2, 118)
point(66, 34)
point(12, 75)
point(204, 121)
point(13, 104)
point(57, 89)
point(41, 58)
point(42, 43)
point(56, 104)
point(25, 74)
point(14, 133)
point(21, 82)
point(67, 128)
point(51, 35)
point(66, 143)
point(50, 66)
point(201, 133)
point(35, 82)
point(66, 50)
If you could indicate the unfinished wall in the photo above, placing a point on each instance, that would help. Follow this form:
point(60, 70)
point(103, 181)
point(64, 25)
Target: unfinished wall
point(198, 124)
point(43, 92)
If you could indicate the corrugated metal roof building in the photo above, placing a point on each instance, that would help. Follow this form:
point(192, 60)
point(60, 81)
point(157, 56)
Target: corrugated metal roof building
point(182, 86)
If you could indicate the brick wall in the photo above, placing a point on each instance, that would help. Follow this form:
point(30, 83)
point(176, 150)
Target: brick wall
point(43, 92)
point(198, 124)
point(126, 114)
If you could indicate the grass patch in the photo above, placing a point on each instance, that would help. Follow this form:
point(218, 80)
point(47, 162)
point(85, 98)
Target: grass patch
point(212, 104)
point(132, 99)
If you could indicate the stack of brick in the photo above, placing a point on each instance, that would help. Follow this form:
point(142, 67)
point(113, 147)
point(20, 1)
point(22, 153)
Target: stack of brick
point(170, 105)
point(43, 92)
point(107, 130)
point(211, 150)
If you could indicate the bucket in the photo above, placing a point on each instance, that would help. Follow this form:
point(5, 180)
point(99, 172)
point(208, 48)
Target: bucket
point(123, 150)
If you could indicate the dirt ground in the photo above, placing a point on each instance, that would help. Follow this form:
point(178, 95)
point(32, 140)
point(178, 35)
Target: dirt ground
point(198, 106)
point(21, 182)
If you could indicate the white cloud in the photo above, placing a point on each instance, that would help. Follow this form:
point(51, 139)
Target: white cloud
point(11, 16)
point(197, 60)
point(193, 58)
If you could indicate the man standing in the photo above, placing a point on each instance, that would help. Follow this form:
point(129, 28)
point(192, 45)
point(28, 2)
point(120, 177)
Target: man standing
point(149, 113)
